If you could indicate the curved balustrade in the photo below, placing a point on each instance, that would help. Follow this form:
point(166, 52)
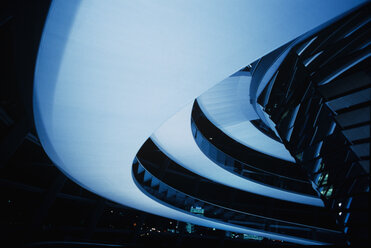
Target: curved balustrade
point(251, 170)
point(170, 172)
point(168, 195)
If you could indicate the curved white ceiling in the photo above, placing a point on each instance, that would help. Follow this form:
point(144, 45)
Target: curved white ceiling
point(109, 73)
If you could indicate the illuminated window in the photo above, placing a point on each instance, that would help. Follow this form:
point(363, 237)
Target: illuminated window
point(329, 192)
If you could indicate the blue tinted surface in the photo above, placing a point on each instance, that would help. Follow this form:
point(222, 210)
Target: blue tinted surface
point(108, 73)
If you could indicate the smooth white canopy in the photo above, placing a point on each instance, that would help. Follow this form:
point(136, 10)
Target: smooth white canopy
point(110, 72)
